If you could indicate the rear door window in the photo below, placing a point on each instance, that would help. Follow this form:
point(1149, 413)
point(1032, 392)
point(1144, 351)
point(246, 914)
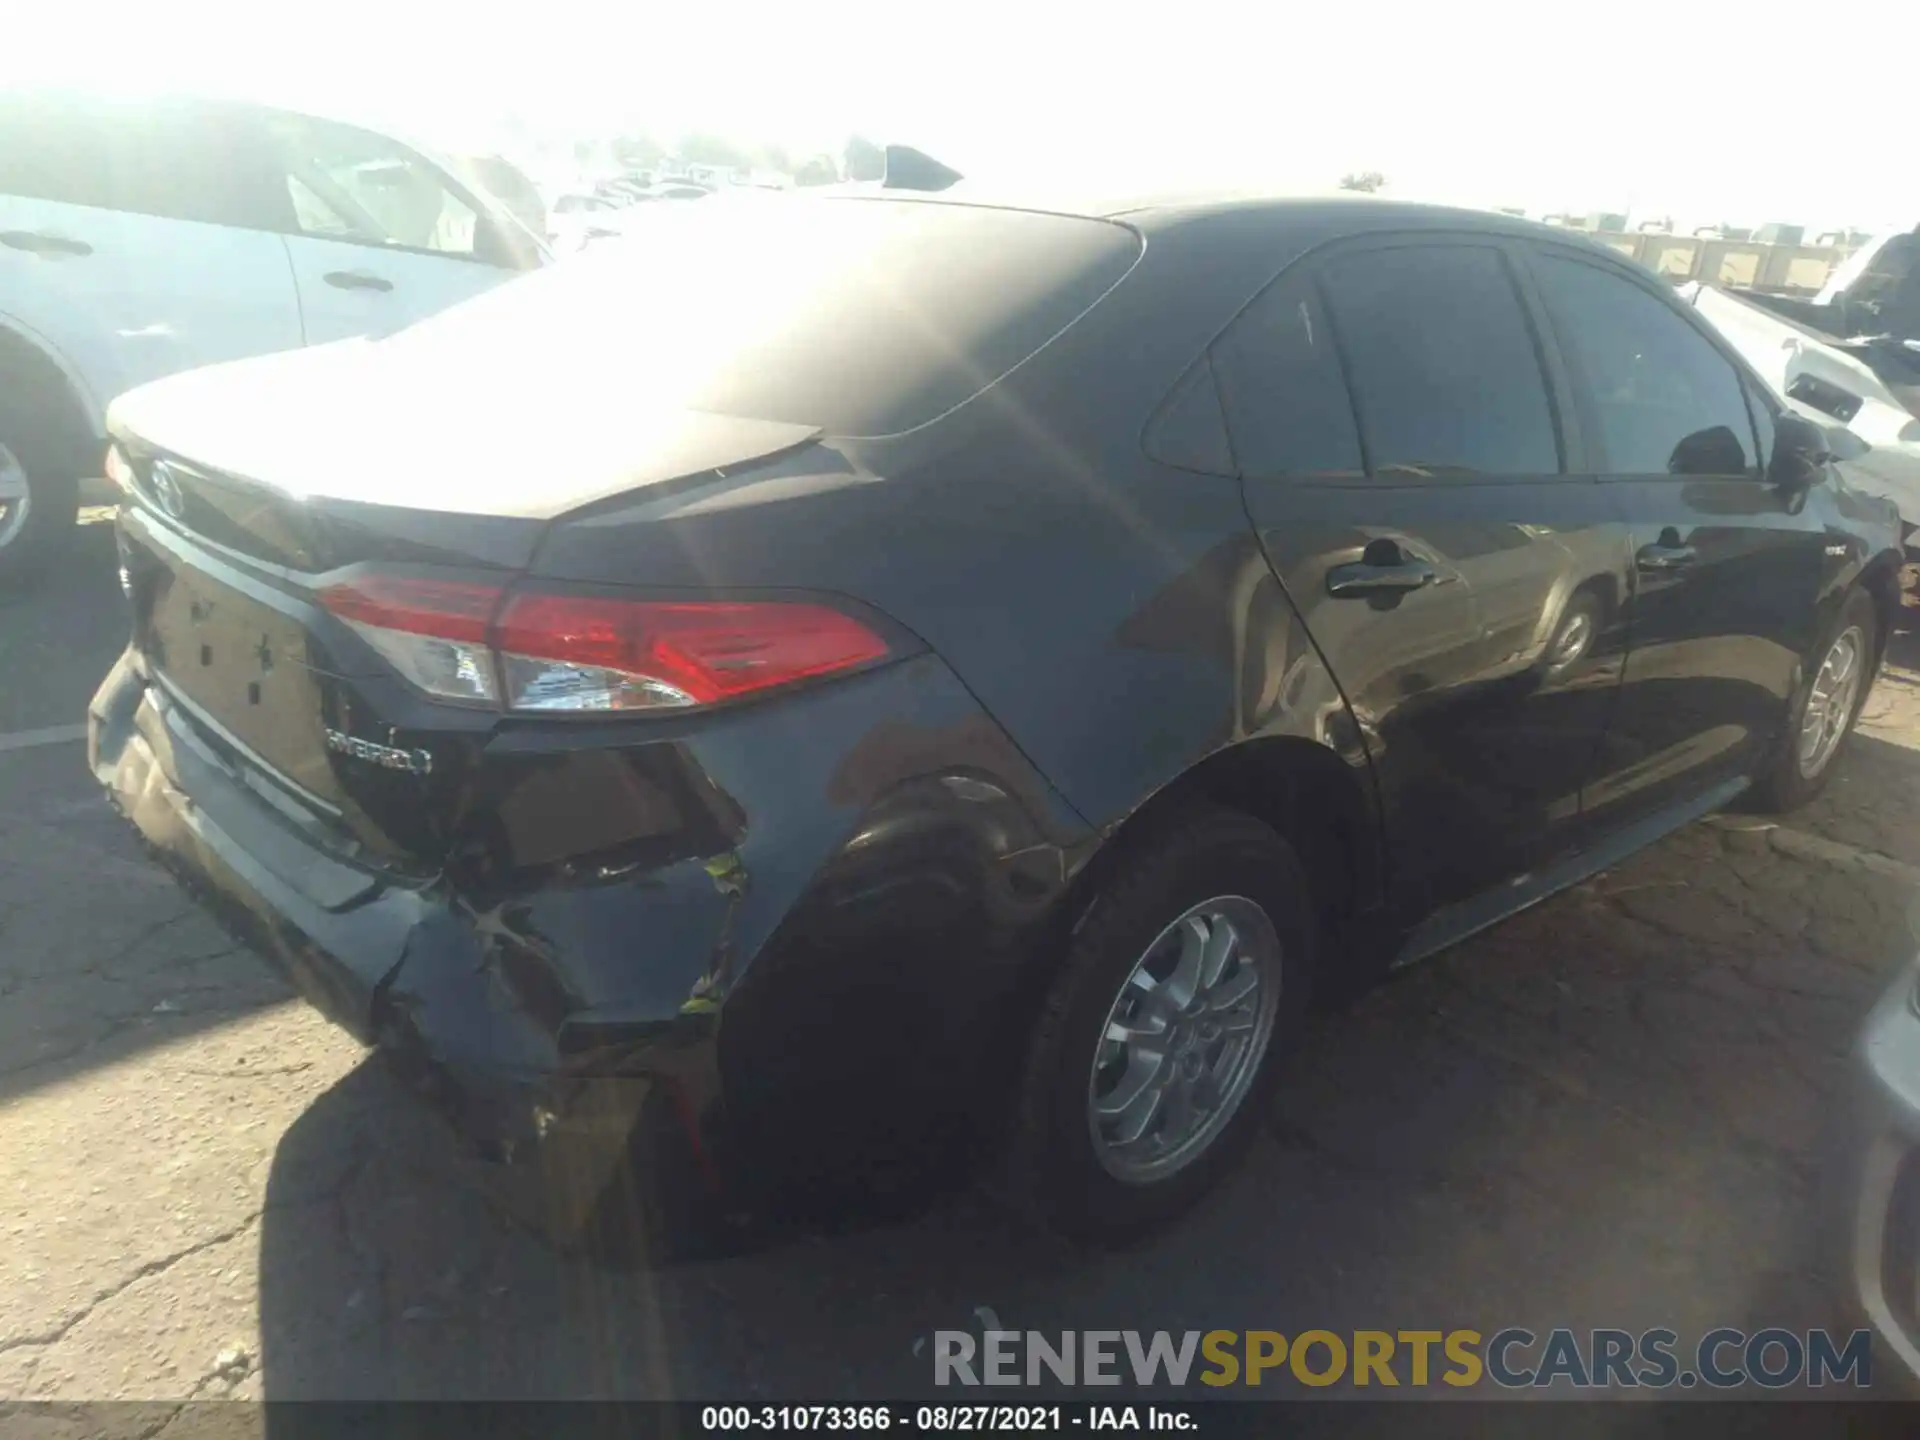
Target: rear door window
point(1280, 382)
point(1189, 431)
point(1441, 357)
point(174, 160)
point(1664, 400)
point(344, 183)
point(178, 160)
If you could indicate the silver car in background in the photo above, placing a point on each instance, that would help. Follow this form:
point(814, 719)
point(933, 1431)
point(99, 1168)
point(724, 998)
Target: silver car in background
point(1875, 1184)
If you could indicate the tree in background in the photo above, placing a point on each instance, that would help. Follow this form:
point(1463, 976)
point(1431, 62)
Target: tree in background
point(864, 159)
point(820, 170)
point(700, 148)
point(775, 157)
point(1367, 181)
point(638, 152)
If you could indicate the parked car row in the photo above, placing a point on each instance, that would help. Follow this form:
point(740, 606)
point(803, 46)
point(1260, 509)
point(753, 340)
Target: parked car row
point(579, 218)
point(139, 237)
point(966, 677)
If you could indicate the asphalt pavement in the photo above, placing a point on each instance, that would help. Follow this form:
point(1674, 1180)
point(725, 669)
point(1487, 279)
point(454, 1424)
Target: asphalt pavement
point(1607, 1112)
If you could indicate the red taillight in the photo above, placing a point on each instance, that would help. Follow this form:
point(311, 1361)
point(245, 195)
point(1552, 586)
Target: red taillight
point(434, 632)
point(546, 652)
point(565, 652)
point(449, 609)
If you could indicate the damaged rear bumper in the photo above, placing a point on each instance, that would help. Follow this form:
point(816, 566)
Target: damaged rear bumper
point(885, 865)
point(401, 967)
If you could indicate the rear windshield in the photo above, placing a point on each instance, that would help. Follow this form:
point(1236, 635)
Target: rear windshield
point(863, 317)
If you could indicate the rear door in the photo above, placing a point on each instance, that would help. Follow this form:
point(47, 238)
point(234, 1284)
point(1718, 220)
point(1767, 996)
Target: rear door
point(139, 237)
point(381, 237)
point(1392, 411)
point(1727, 567)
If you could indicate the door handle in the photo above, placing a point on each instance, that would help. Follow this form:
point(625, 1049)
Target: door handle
point(43, 244)
point(1362, 579)
point(356, 280)
point(1665, 557)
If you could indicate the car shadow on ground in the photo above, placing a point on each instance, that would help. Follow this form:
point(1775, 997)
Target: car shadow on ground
point(1607, 1112)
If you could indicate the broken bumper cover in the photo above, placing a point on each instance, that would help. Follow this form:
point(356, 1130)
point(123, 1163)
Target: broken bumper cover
point(889, 862)
point(341, 936)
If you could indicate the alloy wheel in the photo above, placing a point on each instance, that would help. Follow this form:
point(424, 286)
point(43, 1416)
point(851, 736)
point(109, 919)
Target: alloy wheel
point(16, 497)
point(1183, 1040)
point(1831, 700)
point(1570, 644)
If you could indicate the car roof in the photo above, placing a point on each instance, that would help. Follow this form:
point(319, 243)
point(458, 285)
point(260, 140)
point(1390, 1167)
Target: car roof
point(1157, 209)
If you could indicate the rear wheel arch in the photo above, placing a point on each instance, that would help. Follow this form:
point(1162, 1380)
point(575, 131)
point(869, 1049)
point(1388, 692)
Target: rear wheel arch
point(1297, 787)
point(1242, 885)
point(71, 435)
point(50, 441)
point(1604, 588)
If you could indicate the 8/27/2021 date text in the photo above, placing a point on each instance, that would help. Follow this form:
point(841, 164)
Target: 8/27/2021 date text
point(931, 1419)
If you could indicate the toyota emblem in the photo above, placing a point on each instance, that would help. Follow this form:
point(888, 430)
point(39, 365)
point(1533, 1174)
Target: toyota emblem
point(167, 492)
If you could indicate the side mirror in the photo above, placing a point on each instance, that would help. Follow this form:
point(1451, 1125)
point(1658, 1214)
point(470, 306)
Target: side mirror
point(1844, 445)
point(1801, 453)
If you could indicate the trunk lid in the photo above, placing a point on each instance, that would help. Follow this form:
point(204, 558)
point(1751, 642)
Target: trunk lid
point(392, 449)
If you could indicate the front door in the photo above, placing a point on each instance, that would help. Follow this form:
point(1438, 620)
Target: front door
point(1403, 461)
point(1727, 566)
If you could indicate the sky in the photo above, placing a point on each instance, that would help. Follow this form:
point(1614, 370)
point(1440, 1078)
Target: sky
point(1742, 111)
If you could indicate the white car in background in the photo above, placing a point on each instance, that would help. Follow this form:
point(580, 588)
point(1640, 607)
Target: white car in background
point(1831, 386)
point(143, 236)
point(611, 210)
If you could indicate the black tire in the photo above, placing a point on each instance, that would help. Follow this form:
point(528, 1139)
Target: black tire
point(1783, 784)
point(53, 496)
point(1053, 1168)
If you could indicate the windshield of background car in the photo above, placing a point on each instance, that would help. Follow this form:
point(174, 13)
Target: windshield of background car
point(1873, 262)
point(863, 317)
point(1891, 271)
